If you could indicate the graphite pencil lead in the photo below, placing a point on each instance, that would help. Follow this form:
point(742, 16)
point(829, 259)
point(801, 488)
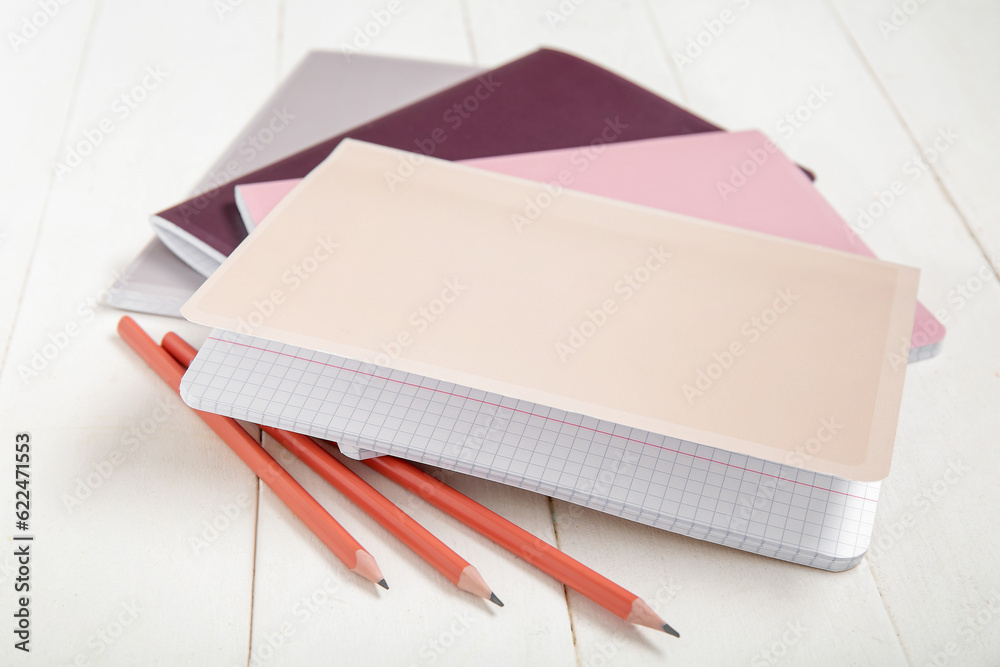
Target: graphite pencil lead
point(670, 631)
point(495, 600)
point(383, 584)
point(474, 583)
point(368, 568)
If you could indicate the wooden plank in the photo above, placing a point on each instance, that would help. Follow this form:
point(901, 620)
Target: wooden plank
point(428, 30)
point(730, 607)
point(765, 64)
point(927, 591)
point(39, 46)
point(938, 64)
point(618, 36)
point(126, 480)
point(308, 607)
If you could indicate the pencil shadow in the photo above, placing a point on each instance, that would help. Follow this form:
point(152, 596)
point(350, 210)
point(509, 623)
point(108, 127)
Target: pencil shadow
point(583, 610)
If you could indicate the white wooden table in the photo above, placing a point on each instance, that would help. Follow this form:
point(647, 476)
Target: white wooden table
point(154, 545)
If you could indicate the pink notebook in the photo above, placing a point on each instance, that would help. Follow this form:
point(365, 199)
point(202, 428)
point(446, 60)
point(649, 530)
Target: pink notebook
point(736, 178)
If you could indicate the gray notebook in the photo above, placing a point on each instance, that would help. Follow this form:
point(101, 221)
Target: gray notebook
point(324, 95)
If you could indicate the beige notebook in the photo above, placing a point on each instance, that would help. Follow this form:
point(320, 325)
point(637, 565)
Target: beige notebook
point(653, 320)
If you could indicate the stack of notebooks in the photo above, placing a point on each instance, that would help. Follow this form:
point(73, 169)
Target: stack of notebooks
point(548, 276)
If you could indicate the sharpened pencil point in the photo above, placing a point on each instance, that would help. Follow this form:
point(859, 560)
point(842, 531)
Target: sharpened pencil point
point(495, 600)
point(670, 631)
point(368, 568)
point(474, 583)
point(383, 584)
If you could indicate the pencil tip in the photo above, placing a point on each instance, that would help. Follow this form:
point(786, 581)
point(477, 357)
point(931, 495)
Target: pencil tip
point(495, 600)
point(368, 568)
point(670, 631)
point(474, 583)
point(383, 584)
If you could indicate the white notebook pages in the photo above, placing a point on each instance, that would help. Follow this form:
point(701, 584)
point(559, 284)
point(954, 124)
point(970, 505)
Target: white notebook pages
point(780, 511)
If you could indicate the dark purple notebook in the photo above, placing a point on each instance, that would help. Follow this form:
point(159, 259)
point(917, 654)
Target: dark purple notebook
point(545, 100)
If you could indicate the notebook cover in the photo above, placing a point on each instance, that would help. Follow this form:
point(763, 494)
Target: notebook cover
point(691, 175)
point(545, 100)
point(731, 339)
point(325, 94)
point(255, 200)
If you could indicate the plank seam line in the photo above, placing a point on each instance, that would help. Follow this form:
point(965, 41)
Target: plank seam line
point(279, 41)
point(470, 37)
point(942, 186)
point(569, 609)
point(662, 43)
point(63, 138)
point(852, 42)
point(253, 565)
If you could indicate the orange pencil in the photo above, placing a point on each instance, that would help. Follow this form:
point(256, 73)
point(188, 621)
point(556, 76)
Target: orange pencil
point(324, 526)
point(435, 552)
point(520, 542)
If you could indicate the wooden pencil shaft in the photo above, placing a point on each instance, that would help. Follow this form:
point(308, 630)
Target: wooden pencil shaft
point(358, 491)
point(373, 503)
point(518, 541)
point(278, 480)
